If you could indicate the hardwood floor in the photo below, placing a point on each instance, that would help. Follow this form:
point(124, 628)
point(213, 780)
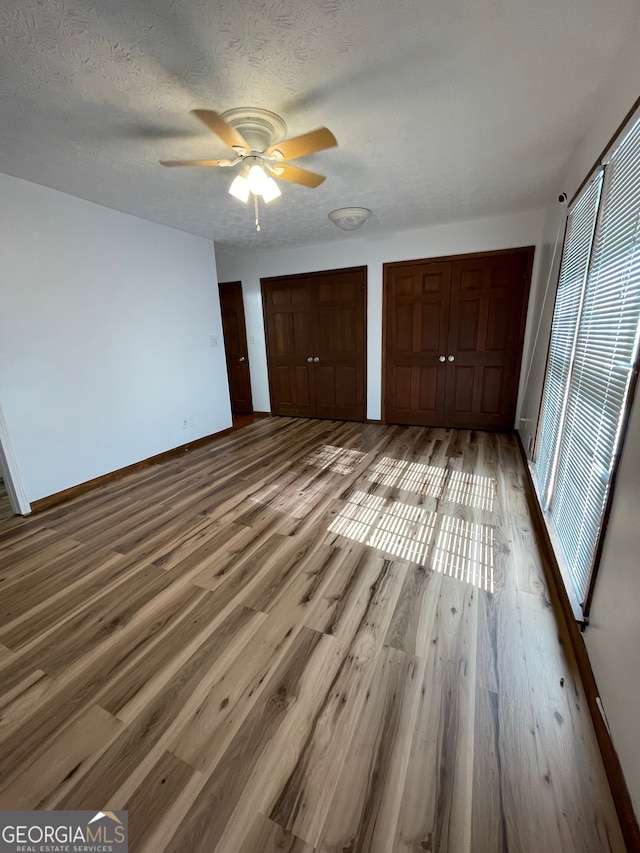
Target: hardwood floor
point(308, 636)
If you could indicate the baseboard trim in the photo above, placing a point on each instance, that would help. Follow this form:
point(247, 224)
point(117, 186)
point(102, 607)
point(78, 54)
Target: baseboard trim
point(613, 769)
point(75, 491)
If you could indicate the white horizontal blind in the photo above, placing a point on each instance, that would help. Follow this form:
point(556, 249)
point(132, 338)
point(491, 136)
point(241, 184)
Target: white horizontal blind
point(573, 271)
point(605, 353)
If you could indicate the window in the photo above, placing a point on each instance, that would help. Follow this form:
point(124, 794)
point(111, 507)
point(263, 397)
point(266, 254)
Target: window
point(592, 358)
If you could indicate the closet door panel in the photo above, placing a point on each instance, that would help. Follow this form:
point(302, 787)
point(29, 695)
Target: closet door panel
point(460, 389)
point(340, 344)
point(288, 312)
point(417, 311)
point(492, 391)
point(291, 388)
point(336, 386)
point(471, 310)
point(485, 339)
point(315, 328)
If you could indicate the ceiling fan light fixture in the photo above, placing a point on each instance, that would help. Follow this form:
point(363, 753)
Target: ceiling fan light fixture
point(254, 179)
point(240, 188)
point(257, 178)
point(349, 218)
point(271, 190)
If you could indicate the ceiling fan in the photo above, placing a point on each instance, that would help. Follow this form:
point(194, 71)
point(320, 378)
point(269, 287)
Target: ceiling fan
point(258, 139)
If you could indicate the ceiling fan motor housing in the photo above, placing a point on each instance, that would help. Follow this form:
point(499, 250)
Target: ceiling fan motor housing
point(261, 128)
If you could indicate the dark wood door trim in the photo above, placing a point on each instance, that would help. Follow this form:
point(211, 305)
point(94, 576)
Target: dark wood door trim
point(460, 257)
point(315, 274)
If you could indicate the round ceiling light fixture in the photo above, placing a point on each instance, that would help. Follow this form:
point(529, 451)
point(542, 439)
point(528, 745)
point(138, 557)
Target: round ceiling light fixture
point(349, 218)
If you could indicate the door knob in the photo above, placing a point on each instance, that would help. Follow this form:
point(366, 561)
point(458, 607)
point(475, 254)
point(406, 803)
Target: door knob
point(316, 358)
point(242, 358)
point(451, 358)
point(310, 358)
point(441, 358)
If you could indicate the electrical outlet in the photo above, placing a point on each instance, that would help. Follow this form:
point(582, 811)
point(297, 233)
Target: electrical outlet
point(252, 339)
point(184, 424)
point(213, 340)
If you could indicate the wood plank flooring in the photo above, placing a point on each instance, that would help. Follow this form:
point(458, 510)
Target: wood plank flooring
point(307, 636)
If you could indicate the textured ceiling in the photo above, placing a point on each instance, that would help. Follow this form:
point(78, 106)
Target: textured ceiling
point(444, 110)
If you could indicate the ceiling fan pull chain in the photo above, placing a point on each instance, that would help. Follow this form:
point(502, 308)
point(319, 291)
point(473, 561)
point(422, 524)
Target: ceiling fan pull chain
point(255, 203)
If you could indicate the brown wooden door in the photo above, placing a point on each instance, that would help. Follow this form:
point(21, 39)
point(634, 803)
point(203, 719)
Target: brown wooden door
point(454, 333)
point(486, 325)
point(417, 301)
point(340, 345)
point(235, 345)
point(315, 329)
point(288, 313)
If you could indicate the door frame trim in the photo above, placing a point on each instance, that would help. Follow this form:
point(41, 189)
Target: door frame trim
point(529, 250)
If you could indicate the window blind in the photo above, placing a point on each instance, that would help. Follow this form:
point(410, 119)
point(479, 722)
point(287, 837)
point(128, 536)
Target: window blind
point(581, 225)
point(592, 356)
point(605, 353)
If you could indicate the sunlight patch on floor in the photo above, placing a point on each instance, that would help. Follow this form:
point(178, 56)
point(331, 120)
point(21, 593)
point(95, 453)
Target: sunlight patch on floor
point(404, 531)
point(390, 526)
point(328, 457)
point(471, 490)
point(435, 482)
point(452, 546)
point(465, 551)
point(358, 516)
point(410, 476)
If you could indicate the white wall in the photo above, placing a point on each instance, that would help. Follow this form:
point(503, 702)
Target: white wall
point(104, 337)
point(505, 232)
point(613, 635)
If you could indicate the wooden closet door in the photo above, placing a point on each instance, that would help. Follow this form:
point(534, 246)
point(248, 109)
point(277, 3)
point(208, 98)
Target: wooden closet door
point(417, 317)
point(469, 311)
point(289, 323)
point(486, 327)
point(340, 308)
point(315, 327)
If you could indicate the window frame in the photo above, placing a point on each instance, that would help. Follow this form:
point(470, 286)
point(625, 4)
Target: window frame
point(581, 609)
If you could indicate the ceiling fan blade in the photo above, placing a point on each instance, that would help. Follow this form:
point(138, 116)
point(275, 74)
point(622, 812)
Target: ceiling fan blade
point(219, 126)
point(308, 143)
point(195, 162)
point(298, 176)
